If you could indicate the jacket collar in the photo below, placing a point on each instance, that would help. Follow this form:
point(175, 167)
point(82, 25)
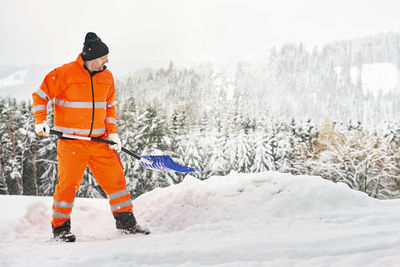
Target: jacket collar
point(79, 61)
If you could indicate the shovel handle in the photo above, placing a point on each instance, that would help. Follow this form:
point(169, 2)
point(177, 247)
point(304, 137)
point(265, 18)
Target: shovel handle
point(101, 140)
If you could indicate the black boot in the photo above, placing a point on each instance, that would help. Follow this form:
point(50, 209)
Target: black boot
point(62, 233)
point(126, 222)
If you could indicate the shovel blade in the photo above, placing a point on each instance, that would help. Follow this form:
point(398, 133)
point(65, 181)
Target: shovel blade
point(164, 163)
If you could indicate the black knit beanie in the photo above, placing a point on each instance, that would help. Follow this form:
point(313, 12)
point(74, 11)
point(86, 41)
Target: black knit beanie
point(93, 47)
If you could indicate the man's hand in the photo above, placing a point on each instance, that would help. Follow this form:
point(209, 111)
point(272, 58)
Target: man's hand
point(42, 129)
point(114, 137)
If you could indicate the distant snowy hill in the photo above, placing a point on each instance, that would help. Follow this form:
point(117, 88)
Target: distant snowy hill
point(259, 219)
point(20, 81)
point(13, 79)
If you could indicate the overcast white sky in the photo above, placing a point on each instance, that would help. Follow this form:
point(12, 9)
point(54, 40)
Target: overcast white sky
point(49, 31)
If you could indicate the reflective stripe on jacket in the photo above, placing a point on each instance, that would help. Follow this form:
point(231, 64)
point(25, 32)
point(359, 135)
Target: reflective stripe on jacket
point(83, 104)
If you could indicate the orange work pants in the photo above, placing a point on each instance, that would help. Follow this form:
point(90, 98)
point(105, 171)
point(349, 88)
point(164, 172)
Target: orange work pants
point(73, 158)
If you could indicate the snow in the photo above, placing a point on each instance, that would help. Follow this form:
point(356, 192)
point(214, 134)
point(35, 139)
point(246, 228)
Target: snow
point(376, 77)
point(255, 219)
point(13, 79)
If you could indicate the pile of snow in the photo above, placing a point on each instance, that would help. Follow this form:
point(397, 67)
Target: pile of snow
point(260, 219)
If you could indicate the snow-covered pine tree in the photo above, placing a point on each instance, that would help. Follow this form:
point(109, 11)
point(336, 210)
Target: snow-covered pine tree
point(30, 147)
point(3, 129)
point(177, 129)
point(304, 148)
point(263, 159)
point(392, 187)
point(11, 146)
point(128, 127)
point(3, 183)
point(150, 140)
point(190, 153)
point(282, 148)
point(217, 163)
point(244, 152)
point(46, 166)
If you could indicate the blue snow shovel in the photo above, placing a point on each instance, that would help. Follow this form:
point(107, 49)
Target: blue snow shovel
point(162, 163)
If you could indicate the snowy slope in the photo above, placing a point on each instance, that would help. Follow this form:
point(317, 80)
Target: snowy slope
point(376, 78)
point(20, 82)
point(13, 79)
point(262, 219)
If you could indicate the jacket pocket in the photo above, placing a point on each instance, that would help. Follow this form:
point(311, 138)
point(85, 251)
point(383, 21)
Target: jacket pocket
point(78, 91)
point(102, 88)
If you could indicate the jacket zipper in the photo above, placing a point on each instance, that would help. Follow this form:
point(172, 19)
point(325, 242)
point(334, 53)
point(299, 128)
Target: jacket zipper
point(93, 104)
point(91, 126)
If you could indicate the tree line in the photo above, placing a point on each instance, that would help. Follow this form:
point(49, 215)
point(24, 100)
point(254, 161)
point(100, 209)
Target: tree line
point(366, 160)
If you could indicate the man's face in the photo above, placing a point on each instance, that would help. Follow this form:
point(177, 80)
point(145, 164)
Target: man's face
point(97, 64)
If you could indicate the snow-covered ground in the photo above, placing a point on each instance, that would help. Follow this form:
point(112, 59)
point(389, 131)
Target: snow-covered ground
point(261, 219)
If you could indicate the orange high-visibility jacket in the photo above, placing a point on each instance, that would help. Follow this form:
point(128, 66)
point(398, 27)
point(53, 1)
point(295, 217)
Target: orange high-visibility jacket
point(84, 104)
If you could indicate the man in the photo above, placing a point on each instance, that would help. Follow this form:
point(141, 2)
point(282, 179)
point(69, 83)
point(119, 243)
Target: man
point(83, 94)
